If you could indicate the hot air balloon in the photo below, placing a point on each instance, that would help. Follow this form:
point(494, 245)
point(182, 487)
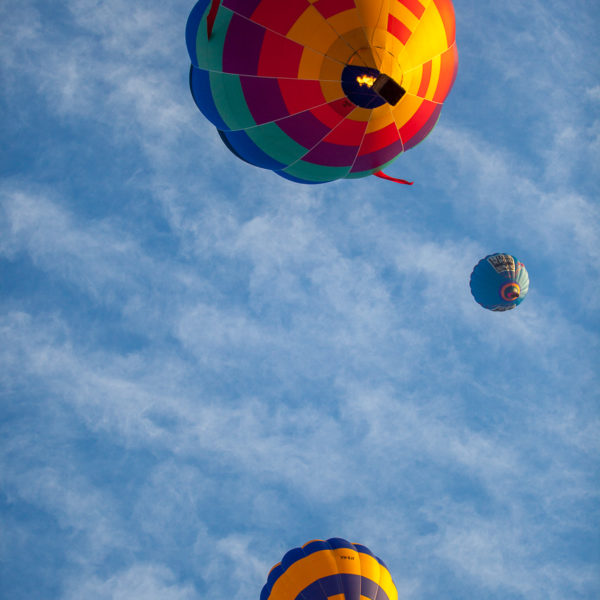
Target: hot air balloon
point(322, 570)
point(319, 90)
point(499, 282)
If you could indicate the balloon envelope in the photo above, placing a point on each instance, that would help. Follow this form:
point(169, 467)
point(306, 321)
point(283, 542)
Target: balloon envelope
point(321, 90)
point(336, 568)
point(499, 282)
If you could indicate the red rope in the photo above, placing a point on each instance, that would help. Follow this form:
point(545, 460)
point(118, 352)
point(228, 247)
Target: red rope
point(212, 15)
point(384, 176)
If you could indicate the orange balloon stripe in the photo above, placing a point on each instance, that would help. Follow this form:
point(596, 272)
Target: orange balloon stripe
point(448, 70)
point(398, 29)
point(425, 79)
point(446, 11)
point(415, 7)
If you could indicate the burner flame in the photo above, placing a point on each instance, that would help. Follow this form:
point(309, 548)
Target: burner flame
point(367, 80)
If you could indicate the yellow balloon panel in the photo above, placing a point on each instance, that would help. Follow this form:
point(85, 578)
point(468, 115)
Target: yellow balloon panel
point(312, 63)
point(404, 15)
point(411, 80)
point(312, 31)
point(331, 71)
point(374, 19)
point(347, 561)
point(369, 567)
point(405, 109)
point(427, 40)
point(360, 114)
point(332, 90)
point(380, 117)
point(390, 66)
point(387, 584)
point(350, 29)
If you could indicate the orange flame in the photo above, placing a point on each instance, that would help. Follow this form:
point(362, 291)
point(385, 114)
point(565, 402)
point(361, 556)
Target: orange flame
point(367, 80)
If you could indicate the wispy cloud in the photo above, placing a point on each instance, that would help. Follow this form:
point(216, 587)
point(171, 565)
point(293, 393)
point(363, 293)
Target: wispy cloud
point(204, 365)
point(139, 581)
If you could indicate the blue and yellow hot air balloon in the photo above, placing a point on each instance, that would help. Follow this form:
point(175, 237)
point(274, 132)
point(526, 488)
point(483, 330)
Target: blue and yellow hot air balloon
point(318, 90)
point(499, 282)
point(326, 570)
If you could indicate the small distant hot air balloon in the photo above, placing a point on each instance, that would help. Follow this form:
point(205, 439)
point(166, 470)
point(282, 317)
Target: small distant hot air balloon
point(326, 570)
point(318, 90)
point(499, 282)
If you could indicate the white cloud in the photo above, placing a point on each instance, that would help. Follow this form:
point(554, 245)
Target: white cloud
point(593, 93)
point(139, 582)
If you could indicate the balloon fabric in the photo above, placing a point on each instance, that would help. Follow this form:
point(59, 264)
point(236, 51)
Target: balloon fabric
point(319, 90)
point(336, 568)
point(499, 282)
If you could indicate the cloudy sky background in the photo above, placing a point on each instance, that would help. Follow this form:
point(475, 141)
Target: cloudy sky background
point(203, 365)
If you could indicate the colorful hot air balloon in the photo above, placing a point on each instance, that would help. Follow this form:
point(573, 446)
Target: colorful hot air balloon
point(319, 90)
point(332, 569)
point(499, 282)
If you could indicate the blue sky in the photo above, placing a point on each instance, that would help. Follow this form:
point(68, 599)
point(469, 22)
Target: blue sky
point(203, 365)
